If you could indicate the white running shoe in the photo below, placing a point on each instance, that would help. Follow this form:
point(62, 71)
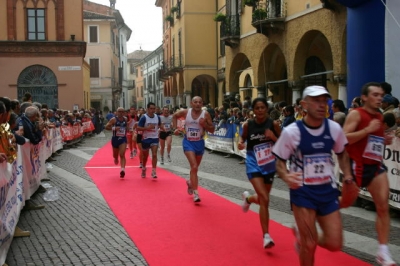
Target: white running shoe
point(189, 187)
point(141, 165)
point(385, 259)
point(169, 158)
point(196, 197)
point(153, 173)
point(245, 204)
point(143, 172)
point(162, 160)
point(268, 242)
point(296, 234)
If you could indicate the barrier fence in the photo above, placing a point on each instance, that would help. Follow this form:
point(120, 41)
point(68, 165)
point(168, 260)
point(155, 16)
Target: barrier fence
point(19, 180)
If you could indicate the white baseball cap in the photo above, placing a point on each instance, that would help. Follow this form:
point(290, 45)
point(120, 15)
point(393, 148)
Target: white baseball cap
point(315, 91)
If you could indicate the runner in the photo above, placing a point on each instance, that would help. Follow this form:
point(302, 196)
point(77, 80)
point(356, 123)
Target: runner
point(149, 124)
point(118, 124)
point(138, 137)
point(197, 122)
point(132, 123)
point(260, 134)
point(166, 136)
point(364, 130)
point(313, 192)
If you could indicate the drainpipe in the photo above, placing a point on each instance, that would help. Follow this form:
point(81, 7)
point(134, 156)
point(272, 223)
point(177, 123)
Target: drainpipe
point(217, 42)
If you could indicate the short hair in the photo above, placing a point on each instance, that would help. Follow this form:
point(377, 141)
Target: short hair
point(259, 99)
point(7, 103)
point(27, 97)
point(14, 104)
point(389, 119)
point(38, 105)
point(282, 104)
point(25, 105)
point(365, 88)
point(2, 108)
point(31, 111)
point(387, 87)
point(290, 109)
point(150, 104)
point(339, 104)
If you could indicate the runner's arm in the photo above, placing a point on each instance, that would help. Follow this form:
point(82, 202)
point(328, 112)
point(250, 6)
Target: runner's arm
point(110, 124)
point(209, 126)
point(243, 137)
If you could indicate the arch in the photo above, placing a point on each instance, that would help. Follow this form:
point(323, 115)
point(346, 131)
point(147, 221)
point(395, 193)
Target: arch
point(41, 83)
point(202, 85)
point(272, 72)
point(239, 64)
point(313, 44)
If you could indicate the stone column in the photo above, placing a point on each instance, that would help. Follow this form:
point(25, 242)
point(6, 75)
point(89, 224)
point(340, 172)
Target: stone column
point(342, 91)
point(260, 91)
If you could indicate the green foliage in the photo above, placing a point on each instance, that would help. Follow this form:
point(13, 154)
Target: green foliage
point(220, 17)
point(250, 2)
point(169, 18)
point(174, 9)
point(259, 14)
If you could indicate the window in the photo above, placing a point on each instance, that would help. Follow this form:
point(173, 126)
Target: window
point(93, 38)
point(36, 25)
point(132, 68)
point(94, 68)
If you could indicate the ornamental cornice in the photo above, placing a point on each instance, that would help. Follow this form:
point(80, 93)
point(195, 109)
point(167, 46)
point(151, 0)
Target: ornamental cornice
point(42, 49)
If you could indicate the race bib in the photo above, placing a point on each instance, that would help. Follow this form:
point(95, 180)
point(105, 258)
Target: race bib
point(374, 149)
point(263, 153)
point(193, 134)
point(318, 169)
point(120, 132)
point(167, 127)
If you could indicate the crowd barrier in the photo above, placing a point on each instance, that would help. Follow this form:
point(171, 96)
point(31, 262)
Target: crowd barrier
point(226, 137)
point(20, 180)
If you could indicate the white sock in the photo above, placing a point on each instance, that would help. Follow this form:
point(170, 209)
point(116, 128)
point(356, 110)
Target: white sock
point(123, 169)
point(195, 192)
point(383, 248)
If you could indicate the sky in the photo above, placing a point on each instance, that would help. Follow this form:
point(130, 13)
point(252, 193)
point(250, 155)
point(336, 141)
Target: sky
point(144, 19)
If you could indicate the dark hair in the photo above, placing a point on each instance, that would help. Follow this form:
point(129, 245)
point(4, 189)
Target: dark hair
point(259, 99)
point(150, 104)
point(395, 102)
point(339, 104)
point(14, 104)
point(27, 97)
point(7, 103)
point(298, 101)
point(389, 119)
point(13, 119)
point(289, 109)
point(2, 108)
point(282, 104)
point(365, 87)
point(386, 87)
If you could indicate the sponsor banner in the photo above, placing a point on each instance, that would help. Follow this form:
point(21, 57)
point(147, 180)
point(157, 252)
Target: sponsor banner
point(66, 133)
point(391, 159)
point(57, 139)
point(222, 139)
point(87, 126)
point(238, 133)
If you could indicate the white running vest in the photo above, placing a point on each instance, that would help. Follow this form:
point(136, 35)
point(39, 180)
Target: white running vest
point(151, 134)
point(166, 121)
point(194, 131)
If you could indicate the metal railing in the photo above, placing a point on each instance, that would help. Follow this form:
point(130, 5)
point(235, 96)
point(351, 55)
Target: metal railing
point(269, 9)
point(230, 27)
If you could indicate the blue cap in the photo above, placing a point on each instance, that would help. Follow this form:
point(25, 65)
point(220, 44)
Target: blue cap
point(388, 99)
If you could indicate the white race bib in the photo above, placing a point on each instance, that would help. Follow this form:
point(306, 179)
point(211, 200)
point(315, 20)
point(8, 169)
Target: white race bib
point(193, 134)
point(318, 169)
point(120, 132)
point(263, 153)
point(374, 149)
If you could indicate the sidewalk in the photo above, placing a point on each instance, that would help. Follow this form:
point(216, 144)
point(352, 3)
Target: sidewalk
point(77, 229)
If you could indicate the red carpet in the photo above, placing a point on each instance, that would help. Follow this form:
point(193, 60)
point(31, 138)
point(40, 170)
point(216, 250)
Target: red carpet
point(169, 229)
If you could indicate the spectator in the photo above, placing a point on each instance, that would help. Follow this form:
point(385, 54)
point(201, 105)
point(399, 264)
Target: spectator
point(27, 97)
point(339, 110)
point(274, 113)
point(288, 112)
point(30, 123)
point(247, 102)
point(387, 104)
point(15, 107)
point(387, 88)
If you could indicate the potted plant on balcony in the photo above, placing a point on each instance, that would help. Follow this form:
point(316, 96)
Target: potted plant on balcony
point(169, 18)
point(174, 9)
point(259, 14)
point(220, 17)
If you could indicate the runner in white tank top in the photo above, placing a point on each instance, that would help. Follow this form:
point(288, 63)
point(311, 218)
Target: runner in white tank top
point(197, 122)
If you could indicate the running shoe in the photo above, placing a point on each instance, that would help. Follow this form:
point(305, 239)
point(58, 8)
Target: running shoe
point(141, 165)
point(385, 259)
point(153, 173)
point(162, 160)
point(134, 152)
point(116, 161)
point(296, 234)
point(143, 172)
point(122, 174)
point(268, 242)
point(131, 155)
point(196, 197)
point(245, 204)
point(169, 158)
point(189, 187)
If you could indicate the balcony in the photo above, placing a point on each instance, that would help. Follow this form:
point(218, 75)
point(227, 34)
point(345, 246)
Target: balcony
point(230, 31)
point(269, 17)
point(131, 84)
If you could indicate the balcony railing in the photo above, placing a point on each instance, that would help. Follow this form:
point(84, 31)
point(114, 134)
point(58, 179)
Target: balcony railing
point(269, 16)
point(230, 30)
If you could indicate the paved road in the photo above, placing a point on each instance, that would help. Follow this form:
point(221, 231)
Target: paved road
point(80, 229)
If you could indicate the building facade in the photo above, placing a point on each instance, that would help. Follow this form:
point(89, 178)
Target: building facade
point(42, 52)
point(275, 48)
point(189, 44)
point(153, 86)
point(106, 35)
